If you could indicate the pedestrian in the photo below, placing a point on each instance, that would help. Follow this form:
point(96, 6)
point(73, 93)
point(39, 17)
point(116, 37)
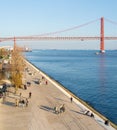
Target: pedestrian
point(23, 102)
point(42, 77)
point(20, 94)
point(4, 98)
point(92, 115)
point(86, 112)
point(106, 122)
point(62, 108)
point(26, 102)
point(30, 94)
point(16, 102)
point(25, 87)
point(71, 99)
point(46, 82)
point(56, 110)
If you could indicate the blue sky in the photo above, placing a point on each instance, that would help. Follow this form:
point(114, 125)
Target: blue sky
point(34, 17)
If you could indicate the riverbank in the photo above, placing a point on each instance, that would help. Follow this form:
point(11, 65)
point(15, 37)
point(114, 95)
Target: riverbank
point(83, 105)
point(40, 114)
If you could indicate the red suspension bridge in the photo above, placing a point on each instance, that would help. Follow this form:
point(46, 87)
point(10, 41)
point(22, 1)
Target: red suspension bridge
point(50, 36)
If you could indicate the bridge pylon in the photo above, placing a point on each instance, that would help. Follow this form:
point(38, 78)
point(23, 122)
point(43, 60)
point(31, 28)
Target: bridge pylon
point(14, 46)
point(102, 50)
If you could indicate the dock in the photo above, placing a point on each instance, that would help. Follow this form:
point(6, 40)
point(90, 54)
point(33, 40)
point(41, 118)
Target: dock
point(46, 94)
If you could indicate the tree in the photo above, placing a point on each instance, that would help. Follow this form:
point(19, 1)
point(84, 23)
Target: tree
point(3, 53)
point(17, 67)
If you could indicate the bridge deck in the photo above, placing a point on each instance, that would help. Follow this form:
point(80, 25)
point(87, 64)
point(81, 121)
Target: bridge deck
point(39, 38)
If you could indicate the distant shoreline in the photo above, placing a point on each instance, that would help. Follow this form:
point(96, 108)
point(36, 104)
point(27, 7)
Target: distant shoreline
point(73, 49)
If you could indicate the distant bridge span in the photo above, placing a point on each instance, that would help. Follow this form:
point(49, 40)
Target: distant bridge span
point(55, 38)
point(47, 36)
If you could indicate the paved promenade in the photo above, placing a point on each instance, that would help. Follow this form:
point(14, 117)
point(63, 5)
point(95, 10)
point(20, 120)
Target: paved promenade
point(39, 114)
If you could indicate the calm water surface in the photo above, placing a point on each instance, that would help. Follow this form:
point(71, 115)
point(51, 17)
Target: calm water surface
point(91, 77)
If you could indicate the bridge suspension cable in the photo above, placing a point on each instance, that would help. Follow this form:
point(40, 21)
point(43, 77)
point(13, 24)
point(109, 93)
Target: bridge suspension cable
point(68, 29)
point(110, 21)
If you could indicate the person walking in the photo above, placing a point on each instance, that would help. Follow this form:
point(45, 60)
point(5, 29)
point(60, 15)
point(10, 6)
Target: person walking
point(46, 82)
point(20, 95)
point(4, 98)
point(71, 99)
point(26, 102)
point(16, 102)
point(30, 94)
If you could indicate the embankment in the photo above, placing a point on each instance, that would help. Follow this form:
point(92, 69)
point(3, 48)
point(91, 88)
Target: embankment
point(83, 105)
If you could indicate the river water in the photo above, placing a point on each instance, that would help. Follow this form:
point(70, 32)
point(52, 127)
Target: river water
point(91, 77)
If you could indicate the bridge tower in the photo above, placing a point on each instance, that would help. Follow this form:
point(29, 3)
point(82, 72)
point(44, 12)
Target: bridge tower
point(14, 46)
point(102, 36)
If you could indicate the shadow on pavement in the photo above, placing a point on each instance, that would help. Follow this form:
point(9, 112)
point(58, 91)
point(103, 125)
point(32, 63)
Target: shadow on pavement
point(46, 108)
point(9, 103)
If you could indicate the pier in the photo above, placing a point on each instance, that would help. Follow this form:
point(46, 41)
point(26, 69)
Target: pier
point(39, 114)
